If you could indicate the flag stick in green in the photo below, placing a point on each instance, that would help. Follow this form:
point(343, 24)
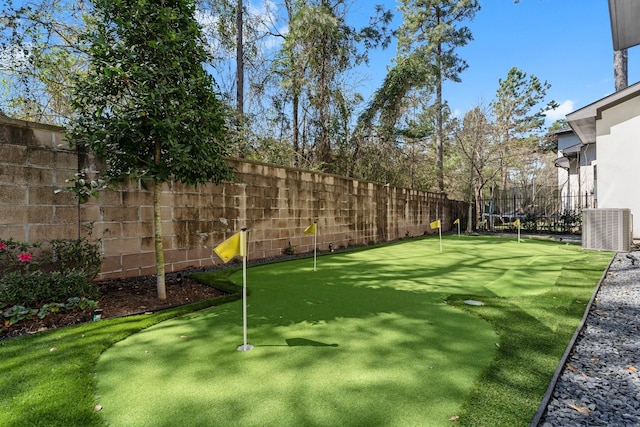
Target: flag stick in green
point(243, 243)
point(518, 231)
point(315, 248)
point(440, 233)
point(313, 229)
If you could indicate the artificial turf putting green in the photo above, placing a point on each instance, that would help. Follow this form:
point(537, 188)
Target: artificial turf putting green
point(369, 339)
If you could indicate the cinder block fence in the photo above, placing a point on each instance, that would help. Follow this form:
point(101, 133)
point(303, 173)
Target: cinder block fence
point(275, 203)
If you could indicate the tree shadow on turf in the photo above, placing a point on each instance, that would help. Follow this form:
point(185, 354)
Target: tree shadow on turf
point(299, 342)
point(303, 342)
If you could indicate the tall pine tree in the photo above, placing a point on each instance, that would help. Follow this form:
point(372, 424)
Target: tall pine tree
point(432, 32)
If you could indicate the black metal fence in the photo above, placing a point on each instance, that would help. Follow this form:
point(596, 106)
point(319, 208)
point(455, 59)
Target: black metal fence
point(541, 213)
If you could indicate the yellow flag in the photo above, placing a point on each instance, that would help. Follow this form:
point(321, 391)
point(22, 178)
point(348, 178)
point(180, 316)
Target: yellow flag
point(312, 229)
point(232, 247)
point(457, 221)
point(435, 224)
point(517, 222)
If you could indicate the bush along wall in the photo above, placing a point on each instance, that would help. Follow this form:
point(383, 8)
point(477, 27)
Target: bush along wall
point(37, 279)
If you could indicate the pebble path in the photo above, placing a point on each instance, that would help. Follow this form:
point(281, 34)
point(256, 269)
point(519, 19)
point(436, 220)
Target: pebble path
point(600, 382)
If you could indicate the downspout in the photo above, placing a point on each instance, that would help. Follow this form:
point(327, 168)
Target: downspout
point(579, 182)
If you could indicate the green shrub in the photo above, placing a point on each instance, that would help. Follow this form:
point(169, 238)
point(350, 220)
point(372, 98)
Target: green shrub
point(78, 255)
point(62, 255)
point(22, 257)
point(39, 287)
point(530, 222)
point(43, 275)
point(570, 220)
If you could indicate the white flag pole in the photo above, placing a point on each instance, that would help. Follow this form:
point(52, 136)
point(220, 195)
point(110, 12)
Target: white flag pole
point(458, 228)
point(440, 233)
point(518, 231)
point(243, 243)
point(315, 247)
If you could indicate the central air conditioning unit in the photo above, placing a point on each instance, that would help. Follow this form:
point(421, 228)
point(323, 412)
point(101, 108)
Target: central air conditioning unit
point(607, 229)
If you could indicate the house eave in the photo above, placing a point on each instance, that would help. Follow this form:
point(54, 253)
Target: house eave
point(624, 15)
point(583, 121)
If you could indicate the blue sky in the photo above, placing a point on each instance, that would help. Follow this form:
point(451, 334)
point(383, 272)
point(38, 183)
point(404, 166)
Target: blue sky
point(565, 42)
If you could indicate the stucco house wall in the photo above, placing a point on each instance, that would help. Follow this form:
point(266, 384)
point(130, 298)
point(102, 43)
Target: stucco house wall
point(618, 151)
point(612, 126)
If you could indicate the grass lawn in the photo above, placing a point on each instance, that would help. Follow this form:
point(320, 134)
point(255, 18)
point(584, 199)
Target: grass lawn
point(375, 337)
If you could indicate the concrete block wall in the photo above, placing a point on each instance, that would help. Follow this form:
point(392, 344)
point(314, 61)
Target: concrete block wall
point(275, 203)
point(33, 164)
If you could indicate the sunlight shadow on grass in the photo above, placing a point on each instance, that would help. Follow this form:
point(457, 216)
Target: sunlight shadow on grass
point(303, 342)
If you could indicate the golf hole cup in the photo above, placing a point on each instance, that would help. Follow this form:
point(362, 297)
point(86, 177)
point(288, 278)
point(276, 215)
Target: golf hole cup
point(97, 314)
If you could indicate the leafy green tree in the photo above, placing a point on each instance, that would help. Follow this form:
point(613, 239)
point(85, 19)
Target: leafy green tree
point(375, 129)
point(146, 106)
point(550, 140)
point(432, 32)
point(39, 51)
point(319, 48)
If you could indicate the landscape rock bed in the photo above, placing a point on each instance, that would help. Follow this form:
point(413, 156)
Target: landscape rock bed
point(600, 382)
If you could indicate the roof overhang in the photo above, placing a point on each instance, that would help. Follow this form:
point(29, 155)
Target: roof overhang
point(572, 151)
point(625, 16)
point(583, 121)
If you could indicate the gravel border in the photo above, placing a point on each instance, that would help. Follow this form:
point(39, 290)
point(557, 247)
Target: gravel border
point(598, 380)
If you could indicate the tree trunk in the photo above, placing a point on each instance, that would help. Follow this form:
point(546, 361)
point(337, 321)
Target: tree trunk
point(157, 232)
point(239, 62)
point(478, 206)
point(439, 116)
point(296, 128)
point(620, 58)
point(324, 152)
point(295, 98)
point(354, 157)
point(439, 150)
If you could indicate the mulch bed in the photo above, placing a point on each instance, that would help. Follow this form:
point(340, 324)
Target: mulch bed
point(119, 297)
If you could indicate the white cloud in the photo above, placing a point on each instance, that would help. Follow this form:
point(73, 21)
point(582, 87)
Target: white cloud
point(565, 108)
point(13, 57)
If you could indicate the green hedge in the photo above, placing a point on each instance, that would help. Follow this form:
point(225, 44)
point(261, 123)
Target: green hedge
point(38, 287)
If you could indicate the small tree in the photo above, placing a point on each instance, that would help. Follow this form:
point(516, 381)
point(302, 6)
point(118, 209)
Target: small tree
point(146, 106)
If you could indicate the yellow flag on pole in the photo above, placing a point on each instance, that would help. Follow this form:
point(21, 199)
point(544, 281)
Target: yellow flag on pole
point(457, 221)
point(312, 229)
point(435, 224)
point(517, 222)
point(234, 246)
